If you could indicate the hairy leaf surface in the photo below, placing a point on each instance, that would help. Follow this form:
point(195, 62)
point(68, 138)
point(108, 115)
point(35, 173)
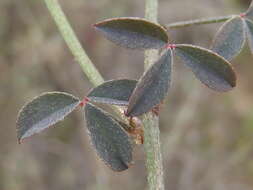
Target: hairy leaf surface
point(44, 111)
point(210, 68)
point(152, 87)
point(230, 39)
point(111, 142)
point(133, 33)
point(115, 92)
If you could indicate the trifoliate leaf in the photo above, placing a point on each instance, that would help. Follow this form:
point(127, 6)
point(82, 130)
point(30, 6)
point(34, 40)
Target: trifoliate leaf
point(115, 92)
point(249, 25)
point(152, 87)
point(230, 39)
point(111, 142)
point(134, 33)
point(209, 67)
point(44, 111)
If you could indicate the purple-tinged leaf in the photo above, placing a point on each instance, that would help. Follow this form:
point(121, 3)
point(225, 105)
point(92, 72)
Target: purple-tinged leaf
point(44, 111)
point(152, 87)
point(230, 39)
point(133, 33)
point(112, 143)
point(115, 92)
point(209, 67)
point(249, 25)
point(249, 12)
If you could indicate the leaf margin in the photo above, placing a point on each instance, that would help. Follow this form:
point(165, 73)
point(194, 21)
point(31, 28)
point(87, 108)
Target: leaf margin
point(161, 27)
point(120, 125)
point(220, 30)
point(119, 103)
point(22, 137)
point(140, 83)
point(217, 55)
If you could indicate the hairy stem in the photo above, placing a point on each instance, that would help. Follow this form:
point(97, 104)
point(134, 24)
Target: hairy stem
point(74, 45)
point(151, 121)
point(198, 22)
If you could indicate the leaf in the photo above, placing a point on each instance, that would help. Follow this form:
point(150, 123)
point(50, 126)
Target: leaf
point(152, 87)
point(115, 92)
point(133, 33)
point(249, 12)
point(111, 142)
point(249, 25)
point(230, 39)
point(210, 68)
point(44, 111)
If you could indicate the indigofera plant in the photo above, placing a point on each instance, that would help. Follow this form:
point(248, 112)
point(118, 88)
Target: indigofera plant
point(112, 136)
point(108, 134)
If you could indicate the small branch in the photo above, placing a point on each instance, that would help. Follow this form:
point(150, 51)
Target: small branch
point(150, 121)
point(198, 22)
point(73, 43)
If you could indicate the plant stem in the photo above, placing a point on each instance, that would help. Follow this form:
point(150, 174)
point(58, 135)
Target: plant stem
point(151, 121)
point(74, 45)
point(198, 22)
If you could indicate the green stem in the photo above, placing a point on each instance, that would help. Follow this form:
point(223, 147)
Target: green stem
point(151, 121)
point(198, 22)
point(74, 45)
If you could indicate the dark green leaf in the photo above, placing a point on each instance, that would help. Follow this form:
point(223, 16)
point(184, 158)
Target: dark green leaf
point(210, 68)
point(152, 87)
point(249, 25)
point(230, 39)
point(44, 111)
point(111, 142)
point(249, 13)
point(134, 33)
point(113, 92)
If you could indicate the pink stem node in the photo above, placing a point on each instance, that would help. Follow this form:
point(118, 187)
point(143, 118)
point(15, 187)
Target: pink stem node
point(170, 46)
point(84, 101)
point(242, 15)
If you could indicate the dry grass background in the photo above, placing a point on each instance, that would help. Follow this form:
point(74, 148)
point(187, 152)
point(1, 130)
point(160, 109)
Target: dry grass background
point(207, 138)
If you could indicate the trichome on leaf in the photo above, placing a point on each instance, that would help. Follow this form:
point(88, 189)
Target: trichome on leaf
point(111, 142)
point(210, 68)
point(109, 135)
point(133, 33)
point(152, 87)
point(230, 39)
point(44, 111)
point(115, 92)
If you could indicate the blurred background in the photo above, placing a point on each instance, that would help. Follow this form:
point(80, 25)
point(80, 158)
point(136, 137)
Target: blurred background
point(207, 137)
